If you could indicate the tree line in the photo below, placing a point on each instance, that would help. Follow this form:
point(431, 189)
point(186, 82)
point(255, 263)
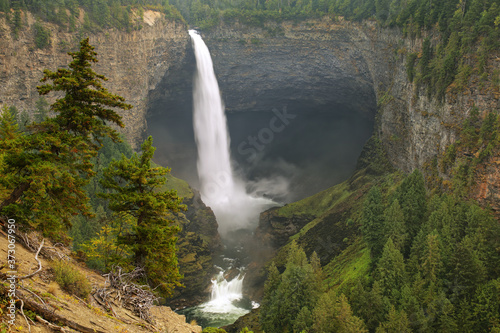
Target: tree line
point(434, 267)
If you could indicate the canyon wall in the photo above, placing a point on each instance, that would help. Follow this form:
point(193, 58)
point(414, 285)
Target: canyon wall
point(133, 62)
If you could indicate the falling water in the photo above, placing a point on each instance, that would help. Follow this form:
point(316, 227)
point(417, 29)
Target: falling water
point(225, 193)
point(220, 188)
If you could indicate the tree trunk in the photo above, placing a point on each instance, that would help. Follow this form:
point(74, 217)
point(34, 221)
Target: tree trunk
point(15, 195)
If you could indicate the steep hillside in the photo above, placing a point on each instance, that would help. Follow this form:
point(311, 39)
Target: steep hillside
point(49, 307)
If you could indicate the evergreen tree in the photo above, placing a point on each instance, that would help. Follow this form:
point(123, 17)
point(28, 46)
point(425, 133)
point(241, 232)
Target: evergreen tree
point(395, 227)
point(369, 304)
point(391, 271)
point(298, 288)
point(9, 130)
point(53, 162)
point(412, 197)
point(397, 322)
point(42, 110)
point(135, 190)
point(87, 106)
point(267, 317)
point(372, 222)
point(333, 314)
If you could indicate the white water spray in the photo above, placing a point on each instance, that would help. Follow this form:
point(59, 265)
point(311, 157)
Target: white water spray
point(220, 188)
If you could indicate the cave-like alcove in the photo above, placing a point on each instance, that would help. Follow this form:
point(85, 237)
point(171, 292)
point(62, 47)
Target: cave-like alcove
point(308, 129)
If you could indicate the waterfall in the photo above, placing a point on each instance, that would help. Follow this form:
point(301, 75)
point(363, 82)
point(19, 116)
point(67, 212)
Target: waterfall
point(225, 292)
point(220, 188)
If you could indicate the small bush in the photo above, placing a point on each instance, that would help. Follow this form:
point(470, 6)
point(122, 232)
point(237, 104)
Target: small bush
point(71, 279)
point(42, 36)
point(213, 330)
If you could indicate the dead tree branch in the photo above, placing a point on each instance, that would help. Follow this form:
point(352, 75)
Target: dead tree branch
point(119, 287)
point(39, 263)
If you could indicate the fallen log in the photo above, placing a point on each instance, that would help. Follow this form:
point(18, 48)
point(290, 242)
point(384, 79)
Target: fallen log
point(53, 317)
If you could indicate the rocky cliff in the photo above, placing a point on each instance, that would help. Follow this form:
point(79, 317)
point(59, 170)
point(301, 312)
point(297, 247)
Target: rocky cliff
point(314, 65)
point(133, 62)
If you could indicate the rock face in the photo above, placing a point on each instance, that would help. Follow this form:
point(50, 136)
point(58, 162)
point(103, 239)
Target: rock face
point(133, 62)
point(198, 244)
point(308, 65)
point(313, 66)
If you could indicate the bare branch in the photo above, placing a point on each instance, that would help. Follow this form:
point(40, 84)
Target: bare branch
point(22, 311)
point(39, 263)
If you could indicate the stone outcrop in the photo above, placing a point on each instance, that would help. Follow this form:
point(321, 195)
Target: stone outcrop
point(198, 244)
point(133, 62)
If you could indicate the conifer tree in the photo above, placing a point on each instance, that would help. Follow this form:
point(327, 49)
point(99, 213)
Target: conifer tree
point(46, 175)
point(412, 198)
point(373, 221)
point(135, 190)
point(397, 322)
point(87, 106)
point(287, 296)
point(395, 227)
point(391, 271)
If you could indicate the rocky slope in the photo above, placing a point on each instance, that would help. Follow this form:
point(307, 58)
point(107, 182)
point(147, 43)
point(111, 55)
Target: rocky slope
point(309, 64)
point(42, 293)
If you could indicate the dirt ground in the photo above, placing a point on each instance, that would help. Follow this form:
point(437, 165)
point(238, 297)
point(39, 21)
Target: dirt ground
point(86, 313)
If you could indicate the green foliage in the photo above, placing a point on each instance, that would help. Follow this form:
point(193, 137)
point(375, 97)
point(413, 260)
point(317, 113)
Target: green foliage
point(444, 278)
point(213, 330)
point(395, 227)
point(410, 66)
point(391, 271)
point(334, 314)
point(42, 35)
point(42, 110)
point(17, 23)
point(397, 322)
point(412, 197)
point(86, 106)
point(71, 279)
point(133, 186)
point(47, 167)
point(372, 223)
point(289, 296)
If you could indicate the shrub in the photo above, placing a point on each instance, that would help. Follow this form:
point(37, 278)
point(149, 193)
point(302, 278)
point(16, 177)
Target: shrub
point(71, 279)
point(213, 330)
point(42, 36)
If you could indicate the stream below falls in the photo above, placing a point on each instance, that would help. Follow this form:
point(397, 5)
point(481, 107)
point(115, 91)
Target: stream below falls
point(227, 301)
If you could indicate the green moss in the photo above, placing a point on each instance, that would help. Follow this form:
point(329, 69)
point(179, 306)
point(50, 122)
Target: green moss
point(182, 187)
point(318, 203)
point(351, 265)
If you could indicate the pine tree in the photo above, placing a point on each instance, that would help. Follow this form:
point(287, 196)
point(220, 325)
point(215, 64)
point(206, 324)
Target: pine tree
point(287, 296)
point(267, 317)
point(41, 111)
point(333, 314)
point(54, 158)
point(135, 190)
point(87, 106)
point(412, 197)
point(9, 130)
point(373, 221)
point(395, 227)
point(391, 271)
point(397, 322)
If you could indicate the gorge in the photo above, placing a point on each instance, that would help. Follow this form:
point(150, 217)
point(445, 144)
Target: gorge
point(303, 101)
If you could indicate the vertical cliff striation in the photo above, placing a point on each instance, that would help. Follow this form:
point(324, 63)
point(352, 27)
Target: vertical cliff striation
point(133, 62)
